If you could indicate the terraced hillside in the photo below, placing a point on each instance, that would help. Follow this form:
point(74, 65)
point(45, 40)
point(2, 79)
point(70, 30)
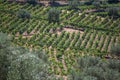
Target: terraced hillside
point(77, 34)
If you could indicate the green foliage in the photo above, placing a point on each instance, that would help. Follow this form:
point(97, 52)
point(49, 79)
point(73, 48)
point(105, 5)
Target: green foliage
point(20, 64)
point(115, 50)
point(4, 40)
point(23, 14)
point(113, 11)
point(53, 15)
point(89, 78)
point(73, 4)
point(28, 67)
point(2, 0)
point(4, 62)
point(96, 4)
point(94, 68)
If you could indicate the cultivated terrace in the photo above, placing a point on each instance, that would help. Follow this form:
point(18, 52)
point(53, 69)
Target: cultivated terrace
point(66, 31)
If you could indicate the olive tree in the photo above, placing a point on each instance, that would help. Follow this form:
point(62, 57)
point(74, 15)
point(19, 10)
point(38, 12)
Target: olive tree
point(53, 15)
point(28, 67)
point(23, 14)
point(96, 4)
point(17, 63)
point(94, 68)
point(113, 11)
point(115, 50)
point(4, 52)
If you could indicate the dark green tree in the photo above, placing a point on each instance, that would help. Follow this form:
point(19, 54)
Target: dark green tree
point(115, 50)
point(20, 64)
point(73, 4)
point(113, 11)
point(94, 68)
point(28, 67)
point(53, 15)
point(4, 52)
point(23, 14)
point(96, 4)
point(32, 1)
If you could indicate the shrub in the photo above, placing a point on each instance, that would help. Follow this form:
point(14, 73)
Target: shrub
point(113, 11)
point(73, 4)
point(53, 15)
point(115, 50)
point(94, 68)
point(96, 4)
point(20, 64)
point(28, 67)
point(23, 14)
point(4, 52)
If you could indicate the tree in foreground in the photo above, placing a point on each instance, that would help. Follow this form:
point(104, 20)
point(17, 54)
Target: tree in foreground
point(20, 64)
point(28, 67)
point(4, 52)
point(23, 14)
point(53, 15)
point(94, 68)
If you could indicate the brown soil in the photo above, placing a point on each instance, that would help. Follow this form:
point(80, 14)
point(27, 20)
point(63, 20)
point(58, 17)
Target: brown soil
point(70, 30)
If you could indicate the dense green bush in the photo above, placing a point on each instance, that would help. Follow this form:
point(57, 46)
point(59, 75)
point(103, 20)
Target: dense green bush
point(23, 14)
point(115, 50)
point(28, 67)
point(113, 11)
point(53, 15)
point(4, 52)
point(20, 64)
point(73, 4)
point(94, 68)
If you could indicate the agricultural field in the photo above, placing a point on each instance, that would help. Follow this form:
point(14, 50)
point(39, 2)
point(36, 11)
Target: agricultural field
point(77, 34)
